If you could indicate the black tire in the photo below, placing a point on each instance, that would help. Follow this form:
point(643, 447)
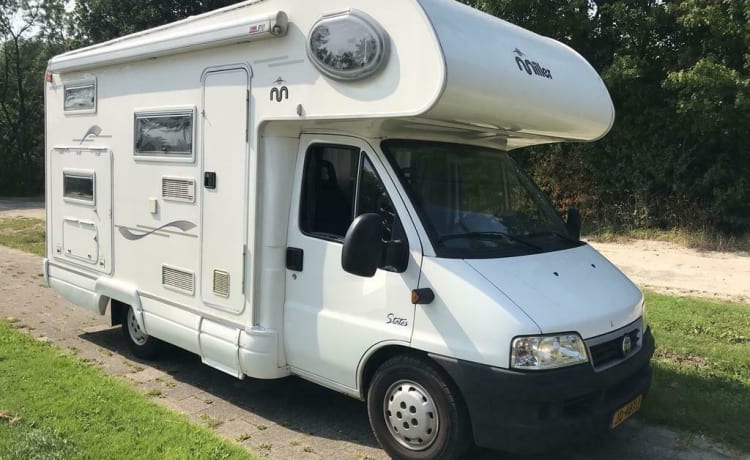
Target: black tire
point(445, 430)
point(140, 344)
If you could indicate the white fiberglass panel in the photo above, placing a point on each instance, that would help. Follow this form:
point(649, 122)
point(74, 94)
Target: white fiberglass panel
point(574, 290)
point(224, 189)
point(506, 78)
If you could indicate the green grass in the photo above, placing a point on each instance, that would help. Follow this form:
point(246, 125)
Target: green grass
point(23, 233)
point(67, 409)
point(701, 368)
point(697, 239)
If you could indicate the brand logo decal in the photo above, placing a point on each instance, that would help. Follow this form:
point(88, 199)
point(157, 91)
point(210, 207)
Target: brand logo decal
point(531, 67)
point(391, 319)
point(627, 345)
point(281, 93)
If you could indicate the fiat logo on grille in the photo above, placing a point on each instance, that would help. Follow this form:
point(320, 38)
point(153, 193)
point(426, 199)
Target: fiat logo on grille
point(627, 345)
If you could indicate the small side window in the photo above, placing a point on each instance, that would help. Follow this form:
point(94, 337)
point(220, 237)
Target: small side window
point(79, 187)
point(80, 97)
point(167, 134)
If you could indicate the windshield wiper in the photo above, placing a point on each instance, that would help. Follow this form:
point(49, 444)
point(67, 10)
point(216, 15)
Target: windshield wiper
point(557, 234)
point(487, 235)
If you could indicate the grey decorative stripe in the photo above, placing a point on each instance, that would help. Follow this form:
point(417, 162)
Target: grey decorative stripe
point(281, 64)
point(183, 225)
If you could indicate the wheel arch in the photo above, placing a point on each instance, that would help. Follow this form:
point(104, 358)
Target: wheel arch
point(376, 356)
point(121, 295)
point(381, 353)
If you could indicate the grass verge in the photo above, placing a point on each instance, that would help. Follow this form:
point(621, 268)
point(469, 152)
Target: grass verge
point(701, 368)
point(26, 234)
point(54, 406)
point(697, 239)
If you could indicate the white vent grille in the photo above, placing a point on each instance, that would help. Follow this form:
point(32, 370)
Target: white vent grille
point(178, 279)
point(221, 283)
point(177, 189)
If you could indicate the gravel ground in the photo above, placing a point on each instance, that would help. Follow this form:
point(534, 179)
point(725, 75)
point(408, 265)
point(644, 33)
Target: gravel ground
point(284, 419)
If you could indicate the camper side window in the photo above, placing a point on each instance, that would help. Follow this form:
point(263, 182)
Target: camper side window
point(79, 187)
point(80, 97)
point(339, 184)
point(164, 134)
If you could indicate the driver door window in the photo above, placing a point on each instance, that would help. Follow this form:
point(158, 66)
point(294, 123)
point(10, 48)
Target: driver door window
point(340, 183)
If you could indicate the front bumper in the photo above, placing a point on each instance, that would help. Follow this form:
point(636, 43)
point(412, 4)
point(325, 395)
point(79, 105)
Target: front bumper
point(532, 412)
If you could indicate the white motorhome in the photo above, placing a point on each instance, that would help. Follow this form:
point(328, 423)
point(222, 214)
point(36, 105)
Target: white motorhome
point(323, 189)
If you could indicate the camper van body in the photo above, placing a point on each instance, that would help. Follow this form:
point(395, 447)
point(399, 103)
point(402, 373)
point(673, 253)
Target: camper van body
point(177, 192)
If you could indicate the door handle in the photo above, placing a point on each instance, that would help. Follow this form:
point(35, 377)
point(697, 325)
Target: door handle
point(295, 258)
point(209, 180)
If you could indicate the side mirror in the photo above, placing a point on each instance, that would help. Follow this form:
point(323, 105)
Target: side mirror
point(363, 246)
point(574, 223)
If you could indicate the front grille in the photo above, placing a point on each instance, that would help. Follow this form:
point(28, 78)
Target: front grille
point(610, 352)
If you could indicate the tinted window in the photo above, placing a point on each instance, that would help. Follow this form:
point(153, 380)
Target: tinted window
point(348, 46)
point(168, 133)
point(340, 183)
point(329, 183)
point(80, 96)
point(373, 198)
point(475, 202)
point(78, 186)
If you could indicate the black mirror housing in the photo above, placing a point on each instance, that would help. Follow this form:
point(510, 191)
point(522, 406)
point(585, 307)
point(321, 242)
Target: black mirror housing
point(573, 223)
point(363, 246)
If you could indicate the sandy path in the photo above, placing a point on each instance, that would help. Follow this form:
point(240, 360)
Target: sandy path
point(21, 207)
point(674, 269)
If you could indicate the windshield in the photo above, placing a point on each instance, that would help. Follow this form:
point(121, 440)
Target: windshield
point(475, 202)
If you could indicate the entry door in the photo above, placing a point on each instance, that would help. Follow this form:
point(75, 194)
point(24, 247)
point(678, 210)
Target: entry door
point(224, 212)
point(332, 318)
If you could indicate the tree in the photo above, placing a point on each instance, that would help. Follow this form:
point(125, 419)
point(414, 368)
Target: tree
point(22, 63)
point(677, 70)
point(95, 21)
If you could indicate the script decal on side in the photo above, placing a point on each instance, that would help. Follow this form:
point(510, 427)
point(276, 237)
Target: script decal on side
point(392, 319)
point(530, 67)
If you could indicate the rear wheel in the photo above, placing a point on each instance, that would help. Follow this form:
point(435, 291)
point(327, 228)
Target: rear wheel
point(416, 413)
point(141, 344)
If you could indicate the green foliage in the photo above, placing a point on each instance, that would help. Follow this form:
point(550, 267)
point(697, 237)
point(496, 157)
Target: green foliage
point(59, 407)
point(679, 75)
point(678, 72)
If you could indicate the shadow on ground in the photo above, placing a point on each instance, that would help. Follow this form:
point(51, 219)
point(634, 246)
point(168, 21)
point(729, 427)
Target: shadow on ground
point(296, 404)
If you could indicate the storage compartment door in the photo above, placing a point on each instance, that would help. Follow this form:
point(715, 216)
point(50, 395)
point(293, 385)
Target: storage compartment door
point(80, 208)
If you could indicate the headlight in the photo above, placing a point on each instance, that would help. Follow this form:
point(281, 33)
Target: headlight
point(547, 352)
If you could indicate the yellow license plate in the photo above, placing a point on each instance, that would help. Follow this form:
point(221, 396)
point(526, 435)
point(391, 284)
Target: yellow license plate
point(626, 411)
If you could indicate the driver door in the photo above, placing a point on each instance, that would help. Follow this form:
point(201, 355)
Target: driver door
point(332, 318)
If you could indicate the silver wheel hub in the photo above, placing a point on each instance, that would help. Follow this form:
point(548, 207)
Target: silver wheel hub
point(136, 333)
point(411, 415)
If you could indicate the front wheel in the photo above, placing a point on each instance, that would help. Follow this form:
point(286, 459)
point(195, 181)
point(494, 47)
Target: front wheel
point(416, 413)
point(141, 344)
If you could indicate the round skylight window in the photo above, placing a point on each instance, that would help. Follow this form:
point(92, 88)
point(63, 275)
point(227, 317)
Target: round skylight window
point(348, 46)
